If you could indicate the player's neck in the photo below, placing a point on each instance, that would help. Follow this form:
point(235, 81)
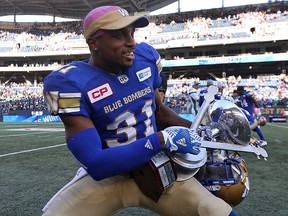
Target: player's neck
point(109, 69)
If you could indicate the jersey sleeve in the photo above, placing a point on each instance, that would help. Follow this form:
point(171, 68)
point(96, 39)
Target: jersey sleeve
point(151, 55)
point(63, 95)
point(249, 93)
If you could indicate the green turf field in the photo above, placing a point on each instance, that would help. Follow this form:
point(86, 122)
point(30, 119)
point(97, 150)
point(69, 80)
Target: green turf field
point(35, 163)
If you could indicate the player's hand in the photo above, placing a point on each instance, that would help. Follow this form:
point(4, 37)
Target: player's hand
point(258, 112)
point(206, 132)
point(181, 139)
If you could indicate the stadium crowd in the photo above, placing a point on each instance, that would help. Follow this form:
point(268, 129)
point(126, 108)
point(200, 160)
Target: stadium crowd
point(254, 22)
point(267, 93)
point(21, 96)
point(199, 28)
point(217, 24)
point(29, 96)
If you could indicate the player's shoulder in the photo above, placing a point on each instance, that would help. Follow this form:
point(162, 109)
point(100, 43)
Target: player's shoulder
point(146, 55)
point(203, 91)
point(144, 47)
point(68, 70)
point(144, 50)
point(70, 74)
point(248, 93)
point(192, 90)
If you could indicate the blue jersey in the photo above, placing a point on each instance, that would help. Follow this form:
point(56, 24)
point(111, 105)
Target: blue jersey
point(247, 101)
point(121, 106)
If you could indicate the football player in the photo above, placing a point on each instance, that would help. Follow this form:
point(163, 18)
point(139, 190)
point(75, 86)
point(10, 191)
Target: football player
point(254, 126)
point(247, 102)
point(193, 97)
point(108, 104)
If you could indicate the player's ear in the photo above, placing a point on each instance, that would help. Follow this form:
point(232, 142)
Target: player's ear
point(93, 43)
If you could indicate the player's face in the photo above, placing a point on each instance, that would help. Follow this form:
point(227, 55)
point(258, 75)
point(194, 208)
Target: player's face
point(115, 49)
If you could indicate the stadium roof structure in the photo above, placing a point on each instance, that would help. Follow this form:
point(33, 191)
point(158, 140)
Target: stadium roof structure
point(76, 9)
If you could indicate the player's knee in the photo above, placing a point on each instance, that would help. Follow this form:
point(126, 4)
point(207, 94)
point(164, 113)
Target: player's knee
point(214, 207)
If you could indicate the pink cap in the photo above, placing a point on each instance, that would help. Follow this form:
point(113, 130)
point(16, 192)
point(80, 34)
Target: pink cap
point(110, 18)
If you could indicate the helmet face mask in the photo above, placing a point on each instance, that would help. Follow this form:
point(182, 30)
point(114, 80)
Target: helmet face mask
point(236, 193)
point(226, 177)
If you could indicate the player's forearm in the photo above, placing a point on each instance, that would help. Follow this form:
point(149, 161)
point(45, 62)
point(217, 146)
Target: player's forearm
point(168, 117)
point(103, 163)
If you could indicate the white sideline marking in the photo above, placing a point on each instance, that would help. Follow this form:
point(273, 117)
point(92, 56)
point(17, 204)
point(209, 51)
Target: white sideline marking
point(37, 129)
point(277, 125)
point(31, 150)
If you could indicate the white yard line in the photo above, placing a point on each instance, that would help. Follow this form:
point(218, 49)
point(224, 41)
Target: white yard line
point(278, 141)
point(31, 150)
point(24, 134)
